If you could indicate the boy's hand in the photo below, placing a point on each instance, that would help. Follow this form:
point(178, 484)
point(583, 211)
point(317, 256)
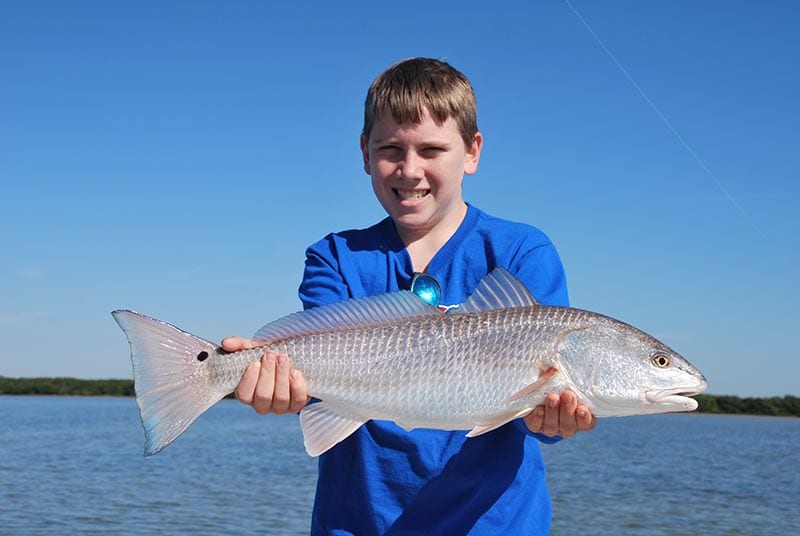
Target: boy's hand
point(269, 385)
point(561, 416)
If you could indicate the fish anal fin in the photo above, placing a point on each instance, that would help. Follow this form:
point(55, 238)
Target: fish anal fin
point(498, 422)
point(544, 376)
point(324, 425)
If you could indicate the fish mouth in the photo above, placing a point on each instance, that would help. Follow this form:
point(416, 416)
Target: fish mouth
point(679, 398)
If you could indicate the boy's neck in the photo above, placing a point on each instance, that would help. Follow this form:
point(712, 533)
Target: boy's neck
point(422, 245)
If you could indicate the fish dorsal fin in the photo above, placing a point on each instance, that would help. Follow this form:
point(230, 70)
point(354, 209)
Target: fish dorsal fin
point(352, 312)
point(497, 290)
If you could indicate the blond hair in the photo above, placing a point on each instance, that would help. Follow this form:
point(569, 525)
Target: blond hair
point(408, 87)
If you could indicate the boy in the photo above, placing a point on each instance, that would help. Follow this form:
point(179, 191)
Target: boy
point(420, 137)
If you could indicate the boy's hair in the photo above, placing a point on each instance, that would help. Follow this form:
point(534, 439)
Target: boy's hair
point(408, 87)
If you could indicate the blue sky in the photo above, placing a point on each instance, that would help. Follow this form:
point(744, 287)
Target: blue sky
point(176, 158)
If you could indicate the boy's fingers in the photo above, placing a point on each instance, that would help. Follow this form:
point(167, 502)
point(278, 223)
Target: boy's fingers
point(270, 385)
point(535, 419)
point(561, 415)
point(568, 423)
point(265, 387)
point(299, 391)
point(586, 420)
point(247, 385)
point(281, 396)
point(550, 424)
point(234, 344)
point(569, 403)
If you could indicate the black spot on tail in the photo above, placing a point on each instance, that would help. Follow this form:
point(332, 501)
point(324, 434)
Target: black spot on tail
point(202, 356)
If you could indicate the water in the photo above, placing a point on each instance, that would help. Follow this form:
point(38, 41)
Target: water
point(678, 474)
point(75, 466)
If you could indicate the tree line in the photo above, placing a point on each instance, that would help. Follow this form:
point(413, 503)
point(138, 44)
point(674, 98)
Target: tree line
point(65, 387)
point(783, 406)
point(777, 406)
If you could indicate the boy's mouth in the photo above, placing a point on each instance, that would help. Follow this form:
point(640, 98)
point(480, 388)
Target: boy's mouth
point(406, 195)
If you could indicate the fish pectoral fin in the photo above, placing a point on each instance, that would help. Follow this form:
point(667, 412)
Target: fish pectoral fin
point(544, 376)
point(498, 422)
point(325, 425)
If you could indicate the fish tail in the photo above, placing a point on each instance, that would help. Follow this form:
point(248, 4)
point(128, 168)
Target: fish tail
point(172, 383)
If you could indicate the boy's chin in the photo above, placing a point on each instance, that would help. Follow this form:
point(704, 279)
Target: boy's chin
point(424, 217)
point(411, 222)
point(415, 224)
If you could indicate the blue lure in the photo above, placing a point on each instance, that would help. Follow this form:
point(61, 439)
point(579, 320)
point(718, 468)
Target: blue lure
point(427, 288)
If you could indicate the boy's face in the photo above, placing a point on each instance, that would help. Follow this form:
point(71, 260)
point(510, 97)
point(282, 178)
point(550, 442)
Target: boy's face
point(417, 171)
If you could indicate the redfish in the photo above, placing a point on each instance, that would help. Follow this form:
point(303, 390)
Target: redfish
point(394, 357)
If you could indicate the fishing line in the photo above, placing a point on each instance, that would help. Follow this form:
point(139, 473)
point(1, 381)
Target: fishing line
point(663, 118)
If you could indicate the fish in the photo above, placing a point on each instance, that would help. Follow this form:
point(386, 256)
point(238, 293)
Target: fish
point(395, 357)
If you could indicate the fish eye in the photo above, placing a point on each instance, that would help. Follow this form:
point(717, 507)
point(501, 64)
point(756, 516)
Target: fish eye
point(661, 360)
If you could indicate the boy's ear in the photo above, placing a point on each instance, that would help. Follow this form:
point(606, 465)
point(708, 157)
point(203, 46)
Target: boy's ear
point(473, 154)
point(365, 153)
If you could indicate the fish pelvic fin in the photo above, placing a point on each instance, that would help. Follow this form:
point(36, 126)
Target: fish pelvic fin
point(324, 425)
point(172, 383)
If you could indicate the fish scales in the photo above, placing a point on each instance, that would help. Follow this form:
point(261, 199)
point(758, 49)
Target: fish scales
point(432, 368)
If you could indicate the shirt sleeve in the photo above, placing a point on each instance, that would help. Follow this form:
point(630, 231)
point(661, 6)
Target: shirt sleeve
point(541, 270)
point(322, 281)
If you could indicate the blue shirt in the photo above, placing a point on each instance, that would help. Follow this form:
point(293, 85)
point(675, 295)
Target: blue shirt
point(385, 480)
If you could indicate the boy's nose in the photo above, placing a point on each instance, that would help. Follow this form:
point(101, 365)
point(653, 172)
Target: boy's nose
point(412, 166)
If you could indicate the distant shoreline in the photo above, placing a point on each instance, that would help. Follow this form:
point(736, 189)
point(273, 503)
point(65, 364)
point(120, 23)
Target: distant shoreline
point(776, 406)
point(65, 387)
